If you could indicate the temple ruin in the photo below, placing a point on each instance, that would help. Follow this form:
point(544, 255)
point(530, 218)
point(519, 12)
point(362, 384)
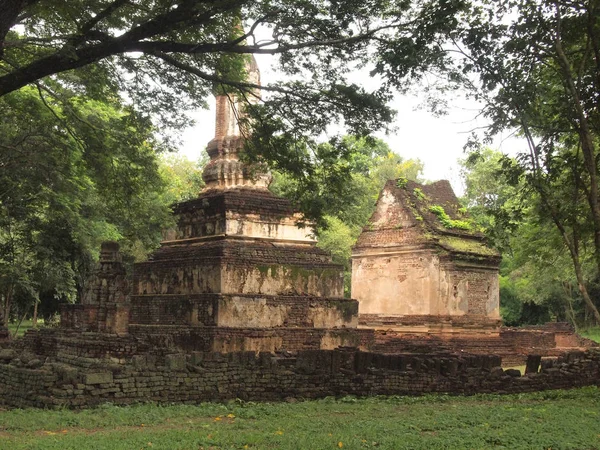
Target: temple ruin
point(239, 303)
point(236, 273)
point(419, 266)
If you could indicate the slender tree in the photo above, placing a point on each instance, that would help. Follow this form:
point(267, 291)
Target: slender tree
point(535, 66)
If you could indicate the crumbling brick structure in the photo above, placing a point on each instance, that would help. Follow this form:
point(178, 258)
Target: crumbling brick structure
point(105, 302)
point(78, 381)
point(239, 303)
point(418, 265)
point(235, 274)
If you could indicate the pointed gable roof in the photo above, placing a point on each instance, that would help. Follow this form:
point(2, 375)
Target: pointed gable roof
point(408, 212)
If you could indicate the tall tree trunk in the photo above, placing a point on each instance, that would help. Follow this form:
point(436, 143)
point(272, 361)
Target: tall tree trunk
point(574, 257)
point(7, 303)
point(585, 137)
point(569, 311)
point(35, 314)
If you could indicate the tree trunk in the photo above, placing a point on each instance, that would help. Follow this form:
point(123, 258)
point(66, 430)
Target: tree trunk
point(19, 324)
point(585, 137)
point(569, 311)
point(576, 262)
point(7, 304)
point(35, 314)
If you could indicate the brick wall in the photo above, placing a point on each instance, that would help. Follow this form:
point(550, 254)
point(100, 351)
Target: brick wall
point(197, 377)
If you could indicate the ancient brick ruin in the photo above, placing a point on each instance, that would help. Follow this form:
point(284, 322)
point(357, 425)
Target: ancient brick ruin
point(419, 267)
point(235, 274)
point(105, 302)
point(83, 381)
point(238, 302)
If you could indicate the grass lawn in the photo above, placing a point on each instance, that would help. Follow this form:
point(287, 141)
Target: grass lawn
point(546, 420)
point(25, 325)
point(591, 333)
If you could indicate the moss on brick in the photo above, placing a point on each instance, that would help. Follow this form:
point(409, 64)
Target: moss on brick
point(348, 309)
point(466, 245)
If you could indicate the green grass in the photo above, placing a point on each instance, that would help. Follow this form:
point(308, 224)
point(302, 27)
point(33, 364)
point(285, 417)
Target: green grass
point(553, 419)
point(591, 333)
point(25, 325)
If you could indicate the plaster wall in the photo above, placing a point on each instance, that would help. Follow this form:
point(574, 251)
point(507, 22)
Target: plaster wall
point(206, 276)
point(279, 279)
point(190, 278)
point(396, 283)
point(414, 282)
point(251, 312)
point(255, 227)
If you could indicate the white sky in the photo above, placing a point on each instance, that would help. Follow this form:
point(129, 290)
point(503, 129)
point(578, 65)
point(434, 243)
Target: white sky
point(437, 141)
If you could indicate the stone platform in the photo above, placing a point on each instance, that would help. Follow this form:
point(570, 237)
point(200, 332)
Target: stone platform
point(88, 369)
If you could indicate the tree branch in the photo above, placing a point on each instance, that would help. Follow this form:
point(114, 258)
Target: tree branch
point(87, 27)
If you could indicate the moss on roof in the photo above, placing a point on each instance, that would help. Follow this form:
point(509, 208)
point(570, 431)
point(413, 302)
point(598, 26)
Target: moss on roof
point(444, 220)
point(464, 245)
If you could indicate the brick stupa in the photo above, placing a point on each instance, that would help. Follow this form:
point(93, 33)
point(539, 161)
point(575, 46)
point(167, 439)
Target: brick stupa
point(420, 266)
point(237, 273)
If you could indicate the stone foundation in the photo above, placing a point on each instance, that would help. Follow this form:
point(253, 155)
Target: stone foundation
point(27, 381)
point(513, 345)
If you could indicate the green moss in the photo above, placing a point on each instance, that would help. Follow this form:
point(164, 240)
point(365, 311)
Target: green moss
point(465, 245)
point(323, 273)
point(264, 270)
point(415, 212)
point(421, 195)
point(299, 272)
point(448, 222)
point(401, 182)
point(348, 309)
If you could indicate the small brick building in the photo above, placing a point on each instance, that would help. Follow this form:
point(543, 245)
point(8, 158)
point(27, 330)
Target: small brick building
point(420, 266)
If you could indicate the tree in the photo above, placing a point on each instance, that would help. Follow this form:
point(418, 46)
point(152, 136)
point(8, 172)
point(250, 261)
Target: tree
point(537, 271)
point(493, 196)
point(73, 171)
point(183, 177)
point(166, 56)
point(536, 67)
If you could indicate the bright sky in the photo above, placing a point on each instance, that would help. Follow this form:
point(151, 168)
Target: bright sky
point(437, 141)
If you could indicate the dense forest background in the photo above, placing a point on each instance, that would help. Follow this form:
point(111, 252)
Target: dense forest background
point(94, 93)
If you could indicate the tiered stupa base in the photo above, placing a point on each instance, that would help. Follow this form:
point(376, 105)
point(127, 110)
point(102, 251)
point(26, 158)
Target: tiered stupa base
point(238, 274)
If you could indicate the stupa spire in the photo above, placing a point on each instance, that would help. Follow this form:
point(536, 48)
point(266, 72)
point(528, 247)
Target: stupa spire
point(225, 170)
